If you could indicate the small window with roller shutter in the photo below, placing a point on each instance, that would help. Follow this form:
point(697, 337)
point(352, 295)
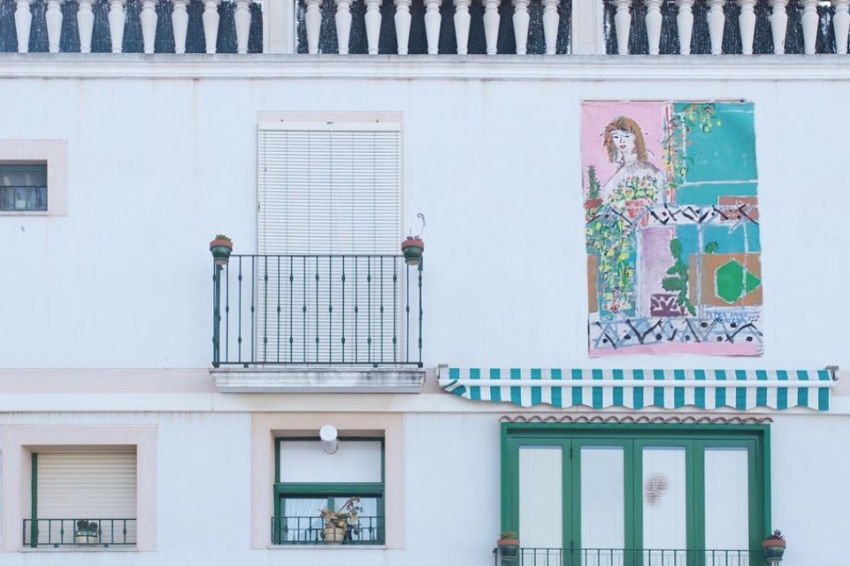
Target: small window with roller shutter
point(83, 497)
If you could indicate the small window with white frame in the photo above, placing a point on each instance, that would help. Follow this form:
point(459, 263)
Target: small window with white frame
point(23, 187)
point(33, 177)
point(329, 496)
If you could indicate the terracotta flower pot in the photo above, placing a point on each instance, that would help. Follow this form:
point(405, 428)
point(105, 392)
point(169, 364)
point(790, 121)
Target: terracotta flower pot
point(412, 248)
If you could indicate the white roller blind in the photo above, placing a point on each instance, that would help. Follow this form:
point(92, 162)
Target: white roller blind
point(86, 485)
point(329, 189)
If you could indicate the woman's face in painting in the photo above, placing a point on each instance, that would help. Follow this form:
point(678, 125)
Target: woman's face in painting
point(624, 141)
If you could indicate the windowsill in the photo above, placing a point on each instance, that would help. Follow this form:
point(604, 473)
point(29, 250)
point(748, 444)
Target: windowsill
point(24, 213)
point(93, 548)
point(328, 547)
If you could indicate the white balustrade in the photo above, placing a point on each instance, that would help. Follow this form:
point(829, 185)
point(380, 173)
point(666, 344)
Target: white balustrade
point(148, 18)
point(53, 17)
point(180, 24)
point(342, 18)
point(810, 25)
point(551, 19)
point(211, 18)
point(778, 25)
point(242, 22)
point(462, 19)
point(85, 24)
point(653, 25)
point(432, 25)
point(623, 23)
point(747, 23)
point(402, 25)
point(841, 25)
point(491, 25)
point(373, 25)
point(521, 20)
point(23, 22)
point(685, 24)
point(116, 24)
point(716, 22)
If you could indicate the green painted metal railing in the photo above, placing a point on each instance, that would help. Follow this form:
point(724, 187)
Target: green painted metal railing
point(311, 530)
point(627, 557)
point(79, 532)
point(317, 310)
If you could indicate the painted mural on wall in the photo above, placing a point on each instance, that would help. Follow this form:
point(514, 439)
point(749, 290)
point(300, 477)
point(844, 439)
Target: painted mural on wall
point(672, 228)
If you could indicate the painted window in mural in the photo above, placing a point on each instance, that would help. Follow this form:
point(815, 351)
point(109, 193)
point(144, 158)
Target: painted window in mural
point(672, 228)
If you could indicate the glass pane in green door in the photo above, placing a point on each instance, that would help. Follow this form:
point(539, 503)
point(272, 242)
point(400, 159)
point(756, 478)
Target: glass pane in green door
point(727, 499)
point(602, 505)
point(541, 497)
point(664, 486)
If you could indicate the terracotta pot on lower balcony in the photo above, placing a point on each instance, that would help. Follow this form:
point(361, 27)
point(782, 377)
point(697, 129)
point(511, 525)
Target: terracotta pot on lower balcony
point(334, 535)
point(221, 247)
point(508, 544)
point(412, 248)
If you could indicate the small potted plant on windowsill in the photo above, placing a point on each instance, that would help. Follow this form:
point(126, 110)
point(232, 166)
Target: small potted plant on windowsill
point(221, 247)
point(774, 546)
point(86, 532)
point(508, 544)
point(341, 525)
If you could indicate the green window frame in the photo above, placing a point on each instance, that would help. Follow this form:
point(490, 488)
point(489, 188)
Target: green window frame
point(633, 438)
point(370, 528)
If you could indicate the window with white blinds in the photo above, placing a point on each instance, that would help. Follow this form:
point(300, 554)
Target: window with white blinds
point(90, 486)
point(329, 188)
point(328, 278)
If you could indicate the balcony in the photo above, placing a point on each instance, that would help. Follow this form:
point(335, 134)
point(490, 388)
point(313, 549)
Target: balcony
point(329, 323)
point(629, 557)
point(66, 532)
point(625, 27)
point(311, 530)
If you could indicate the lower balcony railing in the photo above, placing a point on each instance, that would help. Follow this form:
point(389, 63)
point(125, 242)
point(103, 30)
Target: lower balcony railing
point(312, 530)
point(79, 532)
point(317, 310)
point(628, 557)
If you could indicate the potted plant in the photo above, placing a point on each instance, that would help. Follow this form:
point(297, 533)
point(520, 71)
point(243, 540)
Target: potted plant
point(508, 544)
point(413, 246)
point(86, 532)
point(341, 525)
point(774, 546)
point(221, 247)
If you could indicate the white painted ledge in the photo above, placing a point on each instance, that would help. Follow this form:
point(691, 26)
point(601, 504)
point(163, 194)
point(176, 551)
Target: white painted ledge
point(312, 379)
point(441, 67)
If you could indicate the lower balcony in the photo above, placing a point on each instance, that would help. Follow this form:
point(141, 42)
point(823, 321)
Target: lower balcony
point(314, 530)
point(81, 533)
point(628, 557)
point(310, 323)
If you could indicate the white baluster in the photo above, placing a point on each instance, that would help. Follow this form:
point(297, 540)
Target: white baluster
point(653, 25)
point(747, 23)
point(623, 23)
point(521, 19)
point(685, 25)
point(810, 25)
point(148, 18)
point(716, 22)
point(778, 25)
point(242, 19)
point(551, 19)
point(462, 25)
point(402, 25)
point(841, 25)
point(180, 24)
point(116, 24)
point(373, 24)
point(211, 18)
point(23, 21)
point(491, 25)
point(53, 16)
point(432, 25)
point(85, 24)
point(343, 24)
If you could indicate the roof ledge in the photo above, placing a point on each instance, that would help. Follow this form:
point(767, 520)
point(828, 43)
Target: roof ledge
point(319, 379)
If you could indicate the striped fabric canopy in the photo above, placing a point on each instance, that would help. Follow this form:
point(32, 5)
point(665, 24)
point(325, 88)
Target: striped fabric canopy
point(639, 388)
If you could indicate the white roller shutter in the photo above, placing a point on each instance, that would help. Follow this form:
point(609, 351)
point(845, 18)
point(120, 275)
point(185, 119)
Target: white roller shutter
point(329, 189)
point(98, 486)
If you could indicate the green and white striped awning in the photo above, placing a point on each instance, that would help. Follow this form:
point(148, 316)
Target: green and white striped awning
point(639, 388)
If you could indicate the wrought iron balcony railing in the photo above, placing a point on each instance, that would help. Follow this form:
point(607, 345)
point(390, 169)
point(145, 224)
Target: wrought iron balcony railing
point(311, 530)
point(317, 310)
point(79, 532)
point(629, 557)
